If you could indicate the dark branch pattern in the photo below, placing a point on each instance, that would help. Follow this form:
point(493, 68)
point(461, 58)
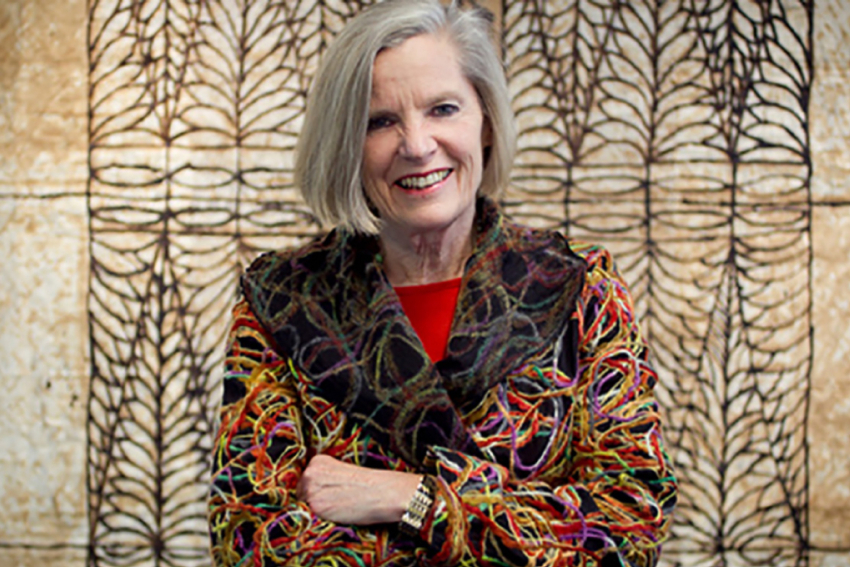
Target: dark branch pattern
point(675, 133)
point(195, 109)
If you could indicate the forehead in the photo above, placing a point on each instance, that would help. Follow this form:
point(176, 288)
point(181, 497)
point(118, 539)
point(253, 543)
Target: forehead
point(428, 62)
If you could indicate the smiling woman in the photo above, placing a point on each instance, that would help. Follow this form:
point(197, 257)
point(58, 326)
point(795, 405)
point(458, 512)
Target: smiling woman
point(431, 384)
point(423, 159)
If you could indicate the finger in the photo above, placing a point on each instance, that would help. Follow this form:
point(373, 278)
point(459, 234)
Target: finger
point(301, 488)
point(309, 480)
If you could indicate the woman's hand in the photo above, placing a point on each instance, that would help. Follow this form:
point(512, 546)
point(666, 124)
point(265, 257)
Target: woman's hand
point(348, 494)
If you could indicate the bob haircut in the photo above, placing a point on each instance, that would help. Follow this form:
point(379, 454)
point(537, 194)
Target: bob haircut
point(329, 152)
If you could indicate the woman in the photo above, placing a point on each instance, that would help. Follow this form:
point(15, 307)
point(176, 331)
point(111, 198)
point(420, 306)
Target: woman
point(430, 384)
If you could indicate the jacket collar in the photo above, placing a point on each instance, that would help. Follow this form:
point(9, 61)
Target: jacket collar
point(330, 307)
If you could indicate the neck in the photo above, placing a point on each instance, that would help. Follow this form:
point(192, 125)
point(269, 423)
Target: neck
point(428, 257)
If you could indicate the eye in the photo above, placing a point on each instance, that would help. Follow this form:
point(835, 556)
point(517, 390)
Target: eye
point(378, 122)
point(445, 109)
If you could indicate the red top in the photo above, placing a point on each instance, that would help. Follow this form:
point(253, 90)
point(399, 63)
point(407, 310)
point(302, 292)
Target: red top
point(431, 308)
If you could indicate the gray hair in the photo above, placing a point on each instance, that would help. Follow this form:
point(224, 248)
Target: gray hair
point(329, 153)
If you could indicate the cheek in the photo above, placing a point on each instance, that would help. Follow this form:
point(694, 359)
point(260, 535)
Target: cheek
point(377, 155)
point(375, 189)
point(473, 152)
point(369, 166)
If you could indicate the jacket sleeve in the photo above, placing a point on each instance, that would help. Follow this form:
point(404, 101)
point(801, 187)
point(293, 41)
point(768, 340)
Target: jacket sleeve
point(613, 504)
point(258, 457)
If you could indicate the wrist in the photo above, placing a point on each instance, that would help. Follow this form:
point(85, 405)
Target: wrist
point(419, 507)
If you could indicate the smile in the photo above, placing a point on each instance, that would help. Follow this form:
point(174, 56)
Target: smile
point(423, 181)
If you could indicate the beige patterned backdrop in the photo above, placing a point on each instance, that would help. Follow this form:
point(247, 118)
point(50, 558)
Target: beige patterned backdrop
point(146, 156)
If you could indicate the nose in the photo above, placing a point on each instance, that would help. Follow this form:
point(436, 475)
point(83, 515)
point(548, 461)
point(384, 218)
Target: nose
point(417, 143)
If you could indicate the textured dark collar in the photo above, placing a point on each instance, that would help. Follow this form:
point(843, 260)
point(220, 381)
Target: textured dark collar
point(330, 307)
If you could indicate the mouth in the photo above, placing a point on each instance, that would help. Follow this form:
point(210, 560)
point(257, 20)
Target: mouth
point(423, 181)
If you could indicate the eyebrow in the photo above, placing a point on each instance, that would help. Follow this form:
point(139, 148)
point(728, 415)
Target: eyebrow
point(431, 101)
point(440, 97)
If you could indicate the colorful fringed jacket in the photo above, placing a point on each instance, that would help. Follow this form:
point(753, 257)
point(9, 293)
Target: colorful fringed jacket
point(539, 426)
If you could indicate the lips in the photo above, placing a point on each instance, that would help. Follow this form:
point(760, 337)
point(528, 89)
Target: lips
point(423, 181)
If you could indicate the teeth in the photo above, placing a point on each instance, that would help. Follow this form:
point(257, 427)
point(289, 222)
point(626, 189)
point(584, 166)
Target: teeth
point(424, 181)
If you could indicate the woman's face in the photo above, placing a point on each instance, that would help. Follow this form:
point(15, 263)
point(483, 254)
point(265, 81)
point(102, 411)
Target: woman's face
point(423, 156)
